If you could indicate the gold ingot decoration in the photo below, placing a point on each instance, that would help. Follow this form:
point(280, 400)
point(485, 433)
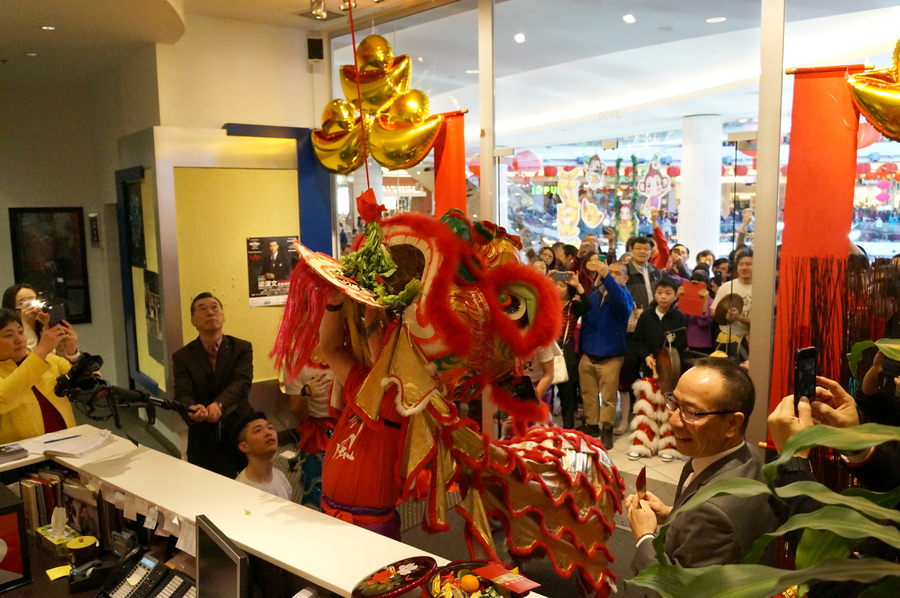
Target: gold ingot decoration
point(338, 144)
point(876, 94)
point(395, 120)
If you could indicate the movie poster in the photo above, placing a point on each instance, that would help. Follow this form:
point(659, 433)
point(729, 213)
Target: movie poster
point(154, 316)
point(270, 261)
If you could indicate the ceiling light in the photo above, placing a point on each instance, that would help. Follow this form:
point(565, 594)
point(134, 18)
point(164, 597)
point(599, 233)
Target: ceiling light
point(716, 20)
point(48, 28)
point(629, 19)
point(520, 38)
point(346, 4)
point(32, 54)
point(474, 72)
point(420, 58)
point(317, 8)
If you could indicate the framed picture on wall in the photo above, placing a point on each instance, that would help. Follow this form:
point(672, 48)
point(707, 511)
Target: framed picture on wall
point(49, 253)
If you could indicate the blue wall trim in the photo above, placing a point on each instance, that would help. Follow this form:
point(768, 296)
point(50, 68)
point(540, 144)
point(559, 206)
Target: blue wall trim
point(313, 183)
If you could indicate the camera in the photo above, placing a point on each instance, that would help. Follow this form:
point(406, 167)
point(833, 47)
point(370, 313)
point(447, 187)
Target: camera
point(80, 377)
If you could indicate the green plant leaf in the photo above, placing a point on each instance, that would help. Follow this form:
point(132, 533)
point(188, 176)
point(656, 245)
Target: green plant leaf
point(843, 522)
point(890, 347)
point(755, 581)
point(875, 505)
point(889, 588)
point(855, 355)
point(821, 545)
point(846, 439)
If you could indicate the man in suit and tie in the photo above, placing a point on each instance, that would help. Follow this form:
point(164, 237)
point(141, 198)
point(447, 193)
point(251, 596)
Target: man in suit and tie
point(213, 374)
point(276, 265)
point(709, 412)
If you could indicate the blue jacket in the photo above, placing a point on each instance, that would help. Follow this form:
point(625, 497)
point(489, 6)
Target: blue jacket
point(603, 327)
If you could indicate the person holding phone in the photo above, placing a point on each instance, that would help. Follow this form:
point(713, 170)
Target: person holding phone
point(28, 405)
point(603, 341)
point(35, 316)
point(575, 303)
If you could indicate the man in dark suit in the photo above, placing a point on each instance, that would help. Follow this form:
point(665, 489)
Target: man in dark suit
point(709, 411)
point(277, 264)
point(213, 374)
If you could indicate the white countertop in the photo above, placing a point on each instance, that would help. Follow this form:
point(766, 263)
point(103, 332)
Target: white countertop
point(326, 551)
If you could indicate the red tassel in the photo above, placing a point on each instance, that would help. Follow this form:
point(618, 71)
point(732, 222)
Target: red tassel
point(298, 334)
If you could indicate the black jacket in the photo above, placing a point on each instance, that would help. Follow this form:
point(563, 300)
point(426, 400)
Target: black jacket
point(636, 287)
point(649, 336)
point(212, 446)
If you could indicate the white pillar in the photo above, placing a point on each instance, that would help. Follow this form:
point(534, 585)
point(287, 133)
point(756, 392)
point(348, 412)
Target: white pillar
point(701, 182)
point(487, 210)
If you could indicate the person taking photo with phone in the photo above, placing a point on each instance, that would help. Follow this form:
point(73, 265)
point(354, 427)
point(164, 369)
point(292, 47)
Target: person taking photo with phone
point(28, 405)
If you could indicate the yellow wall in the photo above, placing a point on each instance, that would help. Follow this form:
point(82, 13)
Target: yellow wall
point(216, 210)
point(147, 364)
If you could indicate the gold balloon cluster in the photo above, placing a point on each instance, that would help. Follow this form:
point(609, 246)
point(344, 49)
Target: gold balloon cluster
point(394, 119)
point(876, 94)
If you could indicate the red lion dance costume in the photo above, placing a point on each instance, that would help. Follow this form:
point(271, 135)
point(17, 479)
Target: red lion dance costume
point(475, 313)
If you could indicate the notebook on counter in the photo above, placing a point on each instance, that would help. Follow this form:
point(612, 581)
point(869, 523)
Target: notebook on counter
point(66, 444)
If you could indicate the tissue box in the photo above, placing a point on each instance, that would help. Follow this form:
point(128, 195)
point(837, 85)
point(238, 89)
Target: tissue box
point(55, 546)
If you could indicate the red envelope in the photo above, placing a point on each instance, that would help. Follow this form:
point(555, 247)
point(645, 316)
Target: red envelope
point(691, 303)
point(502, 576)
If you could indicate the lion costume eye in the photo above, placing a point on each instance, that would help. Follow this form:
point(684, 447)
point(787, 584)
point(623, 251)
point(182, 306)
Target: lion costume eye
point(513, 306)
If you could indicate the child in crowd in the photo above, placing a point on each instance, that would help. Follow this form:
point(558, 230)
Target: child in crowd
point(660, 321)
point(700, 329)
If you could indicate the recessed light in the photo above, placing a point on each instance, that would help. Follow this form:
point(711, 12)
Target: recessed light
point(48, 28)
point(32, 54)
point(475, 72)
point(520, 38)
point(629, 19)
point(716, 20)
point(420, 59)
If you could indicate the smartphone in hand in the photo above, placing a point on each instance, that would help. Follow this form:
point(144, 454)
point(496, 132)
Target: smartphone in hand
point(563, 276)
point(57, 314)
point(805, 374)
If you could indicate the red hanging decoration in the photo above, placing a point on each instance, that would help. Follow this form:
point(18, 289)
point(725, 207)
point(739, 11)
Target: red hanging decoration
point(673, 171)
point(741, 170)
point(863, 168)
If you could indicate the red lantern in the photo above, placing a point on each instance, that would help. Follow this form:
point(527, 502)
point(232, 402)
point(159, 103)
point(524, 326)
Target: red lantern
point(723, 171)
point(871, 176)
point(610, 171)
point(475, 166)
point(569, 168)
point(866, 135)
point(528, 163)
point(862, 168)
point(551, 171)
point(628, 170)
point(741, 170)
point(784, 170)
point(673, 171)
point(888, 168)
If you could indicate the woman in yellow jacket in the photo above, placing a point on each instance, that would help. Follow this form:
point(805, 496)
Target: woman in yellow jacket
point(28, 406)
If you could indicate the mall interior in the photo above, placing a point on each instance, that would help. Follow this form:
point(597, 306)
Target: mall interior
point(150, 148)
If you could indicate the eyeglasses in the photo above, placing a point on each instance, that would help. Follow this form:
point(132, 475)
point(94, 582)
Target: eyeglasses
point(687, 414)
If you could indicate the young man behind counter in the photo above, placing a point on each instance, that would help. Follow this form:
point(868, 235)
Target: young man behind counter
point(213, 374)
point(259, 442)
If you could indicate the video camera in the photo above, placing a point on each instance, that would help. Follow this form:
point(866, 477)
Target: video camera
point(84, 387)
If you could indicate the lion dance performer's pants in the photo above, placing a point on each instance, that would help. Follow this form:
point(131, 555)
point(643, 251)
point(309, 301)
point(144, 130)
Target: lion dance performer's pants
point(652, 433)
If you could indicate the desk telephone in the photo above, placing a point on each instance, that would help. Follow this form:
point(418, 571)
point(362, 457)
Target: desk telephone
point(139, 575)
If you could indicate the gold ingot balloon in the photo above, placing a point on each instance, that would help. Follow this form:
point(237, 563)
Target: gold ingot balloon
point(340, 152)
point(378, 88)
point(876, 94)
point(393, 120)
point(374, 54)
point(410, 107)
point(338, 117)
point(397, 146)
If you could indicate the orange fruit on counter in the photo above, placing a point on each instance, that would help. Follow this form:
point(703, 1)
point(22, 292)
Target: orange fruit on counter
point(469, 583)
